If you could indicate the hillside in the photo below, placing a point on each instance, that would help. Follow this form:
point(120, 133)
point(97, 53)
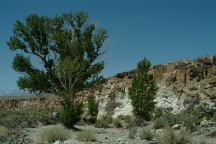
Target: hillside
point(181, 84)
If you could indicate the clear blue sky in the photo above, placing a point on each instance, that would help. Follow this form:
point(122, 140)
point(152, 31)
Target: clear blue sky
point(162, 30)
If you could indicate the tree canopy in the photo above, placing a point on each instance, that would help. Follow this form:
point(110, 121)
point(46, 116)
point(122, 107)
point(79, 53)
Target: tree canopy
point(143, 90)
point(67, 46)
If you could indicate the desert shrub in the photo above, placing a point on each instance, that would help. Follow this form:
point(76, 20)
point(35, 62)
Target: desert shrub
point(189, 121)
point(138, 121)
point(143, 90)
point(146, 133)
point(90, 119)
point(101, 124)
point(27, 118)
point(117, 123)
point(54, 134)
point(81, 122)
point(125, 118)
point(171, 119)
point(167, 119)
point(104, 122)
point(211, 133)
point(132, 133)
point(172, 137)
point(13, 136)
point(86, 136)
point(92, 105)
point(160, 122)
point(158, 112)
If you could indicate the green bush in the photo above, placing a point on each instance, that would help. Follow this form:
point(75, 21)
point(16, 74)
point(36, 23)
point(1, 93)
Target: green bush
point(189, 121)
point(55, 134)
point(69, 116)
point(86, 136)
point(147, 134)
point(143, 90)
point(92, 105)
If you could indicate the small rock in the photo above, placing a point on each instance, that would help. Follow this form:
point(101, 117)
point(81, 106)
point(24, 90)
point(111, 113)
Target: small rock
point(159, 131)
point(57, 142)
point(176, 127)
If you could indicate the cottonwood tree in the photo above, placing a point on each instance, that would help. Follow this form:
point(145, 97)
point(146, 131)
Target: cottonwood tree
point(143, 90)
point(68, 48)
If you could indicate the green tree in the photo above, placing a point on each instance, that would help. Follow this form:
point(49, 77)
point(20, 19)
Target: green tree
point(143, 90)
point(66, 49)
point(92, 105)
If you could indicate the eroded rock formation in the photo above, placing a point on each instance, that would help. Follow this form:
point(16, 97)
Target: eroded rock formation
point(181, 84)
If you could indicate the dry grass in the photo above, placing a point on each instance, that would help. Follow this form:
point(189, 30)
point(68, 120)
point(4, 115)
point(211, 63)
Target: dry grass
point(132, 133)
point(117, 123)
point(85, 136)
point(147, 134)
point(173, 137)
point(3, 131)
point(55, 134)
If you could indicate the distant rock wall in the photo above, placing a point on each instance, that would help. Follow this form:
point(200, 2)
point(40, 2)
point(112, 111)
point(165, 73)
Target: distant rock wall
point(22, 102)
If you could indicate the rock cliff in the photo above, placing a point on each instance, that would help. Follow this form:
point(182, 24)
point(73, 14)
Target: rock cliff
point(182, 84)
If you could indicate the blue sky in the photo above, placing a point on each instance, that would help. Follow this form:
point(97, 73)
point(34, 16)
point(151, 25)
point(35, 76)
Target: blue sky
point(162, 30)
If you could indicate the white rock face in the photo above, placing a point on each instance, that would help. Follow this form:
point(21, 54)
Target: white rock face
point(114, 92)
point(165, 98)
point(125, 108)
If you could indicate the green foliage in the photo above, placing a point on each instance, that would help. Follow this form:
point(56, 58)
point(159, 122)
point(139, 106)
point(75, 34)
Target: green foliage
point(92, 105)
point(66, 47)
point(189, 121)
point(143, 90)
point(53, 39)
point(71, 115)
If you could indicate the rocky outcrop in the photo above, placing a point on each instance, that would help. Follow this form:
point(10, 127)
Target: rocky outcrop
point(19, 102)
point(181, 84)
